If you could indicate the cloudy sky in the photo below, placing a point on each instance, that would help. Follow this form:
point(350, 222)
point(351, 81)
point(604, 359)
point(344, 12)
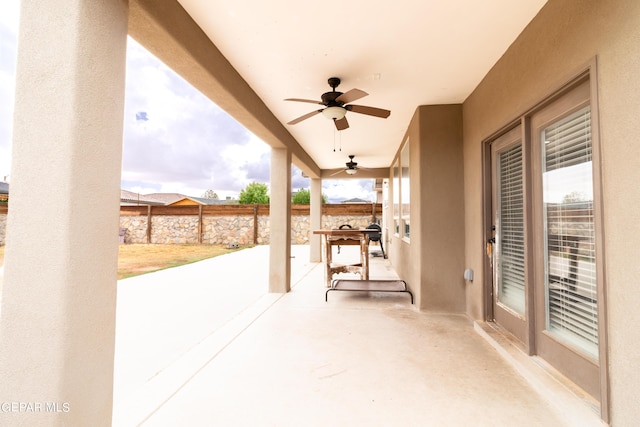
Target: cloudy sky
point(175, 139)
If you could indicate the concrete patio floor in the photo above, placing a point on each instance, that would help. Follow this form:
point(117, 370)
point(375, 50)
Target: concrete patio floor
point(206, 345)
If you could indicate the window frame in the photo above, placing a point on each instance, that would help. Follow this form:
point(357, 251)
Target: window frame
point(405, 192)
point(396, 198)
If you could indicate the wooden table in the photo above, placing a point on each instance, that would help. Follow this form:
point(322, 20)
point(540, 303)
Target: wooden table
point(345, 237)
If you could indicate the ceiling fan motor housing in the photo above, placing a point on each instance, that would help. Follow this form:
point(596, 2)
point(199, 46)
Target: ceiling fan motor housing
point(351, 164)
point(329, 99)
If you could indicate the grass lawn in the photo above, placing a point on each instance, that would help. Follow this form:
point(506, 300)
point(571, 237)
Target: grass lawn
point(139, 259)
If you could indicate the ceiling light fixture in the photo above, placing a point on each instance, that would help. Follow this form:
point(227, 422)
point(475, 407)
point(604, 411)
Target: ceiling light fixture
point(335, 113)
point(351, 171)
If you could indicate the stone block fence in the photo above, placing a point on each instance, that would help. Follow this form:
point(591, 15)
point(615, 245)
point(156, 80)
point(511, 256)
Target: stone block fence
point(3, 222)
point(231, 224)
point(224, 224)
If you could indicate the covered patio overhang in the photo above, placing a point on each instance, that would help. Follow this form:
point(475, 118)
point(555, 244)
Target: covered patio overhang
point(59, 295)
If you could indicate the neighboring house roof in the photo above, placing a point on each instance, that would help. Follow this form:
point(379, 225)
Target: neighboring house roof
point(356, 200)
point(197, 200)
point(131, 198)
point(206, 201)
point(4, 188)
point(166, 198)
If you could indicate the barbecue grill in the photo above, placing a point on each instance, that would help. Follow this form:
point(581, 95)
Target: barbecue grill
point(376, 237)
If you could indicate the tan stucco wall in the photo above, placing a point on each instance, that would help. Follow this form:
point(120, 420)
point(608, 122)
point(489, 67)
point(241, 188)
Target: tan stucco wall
point(433, 261)
point(556, 45)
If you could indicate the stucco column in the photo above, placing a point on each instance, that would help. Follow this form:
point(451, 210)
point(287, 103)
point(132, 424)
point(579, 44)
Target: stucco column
point(315, 220)
point(57, 325)
point(280, 221)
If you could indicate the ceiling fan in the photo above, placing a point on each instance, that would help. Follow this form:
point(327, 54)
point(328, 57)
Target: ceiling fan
point(336, 106)
point(352, 167)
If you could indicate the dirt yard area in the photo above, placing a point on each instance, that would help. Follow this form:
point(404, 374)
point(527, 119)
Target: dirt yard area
point(139, 259)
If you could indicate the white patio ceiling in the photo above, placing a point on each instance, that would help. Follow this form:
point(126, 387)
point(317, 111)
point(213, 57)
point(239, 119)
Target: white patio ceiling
point(404, 54)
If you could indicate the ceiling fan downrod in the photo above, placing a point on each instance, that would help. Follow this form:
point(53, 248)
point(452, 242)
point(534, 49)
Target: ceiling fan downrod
point(334, 82)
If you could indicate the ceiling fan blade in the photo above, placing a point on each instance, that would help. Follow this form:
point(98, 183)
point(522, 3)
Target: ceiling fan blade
point(341, 124)
point(351, 95)
point(370, 111)
point(311, 101)
point(305, 117)
point(339, 171)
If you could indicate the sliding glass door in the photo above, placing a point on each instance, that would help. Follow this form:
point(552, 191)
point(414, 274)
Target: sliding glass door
point(544, 241)
point(508, 240)
point(567, 326)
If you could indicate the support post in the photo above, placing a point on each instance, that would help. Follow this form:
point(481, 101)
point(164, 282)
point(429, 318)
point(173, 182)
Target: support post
point(149, 224)
point(315, 220)
point(57, 325)
point(255, 224)
point(199, 224)
point(280, 221)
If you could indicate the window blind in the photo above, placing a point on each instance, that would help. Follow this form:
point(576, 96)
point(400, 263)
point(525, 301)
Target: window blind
point(510, 230)
point(570, 256)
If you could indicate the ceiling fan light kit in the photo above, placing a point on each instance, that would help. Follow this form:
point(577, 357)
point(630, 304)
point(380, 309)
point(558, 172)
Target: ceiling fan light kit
point(335, 113)
point(336, 106)
point(351, 167)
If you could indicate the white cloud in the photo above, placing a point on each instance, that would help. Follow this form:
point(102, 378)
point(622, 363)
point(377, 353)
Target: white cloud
point(339, 190)
point(252, 152)
point(10, 14)
point(175, 139)
point(7, 88)
point(187, 144)
point(8, 37)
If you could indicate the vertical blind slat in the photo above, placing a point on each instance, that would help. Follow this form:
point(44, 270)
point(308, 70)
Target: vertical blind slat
point(510, 229)
point(570, 238)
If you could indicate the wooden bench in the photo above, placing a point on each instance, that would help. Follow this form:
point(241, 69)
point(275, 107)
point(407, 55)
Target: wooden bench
point(368, 286)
